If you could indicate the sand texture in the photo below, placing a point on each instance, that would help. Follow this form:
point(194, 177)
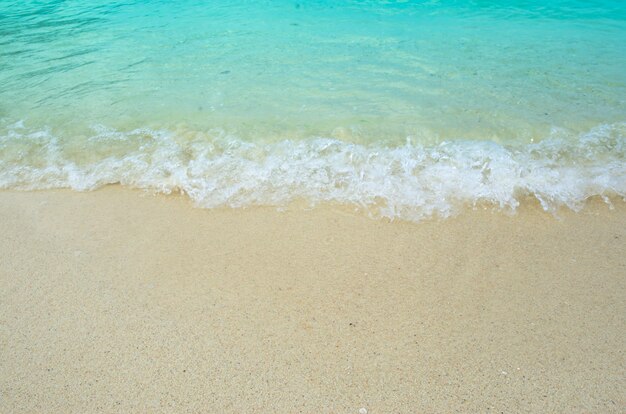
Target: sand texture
point(114, 301)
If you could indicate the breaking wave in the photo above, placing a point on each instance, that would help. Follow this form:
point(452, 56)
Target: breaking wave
point(407, 182)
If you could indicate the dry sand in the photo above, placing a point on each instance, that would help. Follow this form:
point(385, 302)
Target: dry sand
point(114, 301)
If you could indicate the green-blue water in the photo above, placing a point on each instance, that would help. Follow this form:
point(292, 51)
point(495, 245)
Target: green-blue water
point(410, 108)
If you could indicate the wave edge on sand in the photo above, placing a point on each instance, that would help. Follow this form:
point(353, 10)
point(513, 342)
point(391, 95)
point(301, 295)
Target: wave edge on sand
point(409, 182)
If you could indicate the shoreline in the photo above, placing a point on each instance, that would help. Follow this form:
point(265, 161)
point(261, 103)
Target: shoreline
point(113, 301)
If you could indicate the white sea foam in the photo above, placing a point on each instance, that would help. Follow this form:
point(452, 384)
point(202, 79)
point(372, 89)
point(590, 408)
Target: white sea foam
point(408, 182)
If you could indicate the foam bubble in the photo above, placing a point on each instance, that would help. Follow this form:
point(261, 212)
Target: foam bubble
point(408, 182)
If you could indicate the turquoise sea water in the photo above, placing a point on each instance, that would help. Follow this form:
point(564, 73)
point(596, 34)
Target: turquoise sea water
point(405, 108)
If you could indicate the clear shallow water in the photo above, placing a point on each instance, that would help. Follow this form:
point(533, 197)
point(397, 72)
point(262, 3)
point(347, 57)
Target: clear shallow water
point(406, 108)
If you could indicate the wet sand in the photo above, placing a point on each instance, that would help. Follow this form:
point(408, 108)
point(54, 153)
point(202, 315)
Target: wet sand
point(115, 301)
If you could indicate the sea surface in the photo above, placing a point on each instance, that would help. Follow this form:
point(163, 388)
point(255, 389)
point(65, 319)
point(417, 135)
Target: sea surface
point(405, 109)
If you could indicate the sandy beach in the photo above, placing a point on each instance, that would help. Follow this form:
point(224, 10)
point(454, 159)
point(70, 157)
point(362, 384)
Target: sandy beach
point(118, 301)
